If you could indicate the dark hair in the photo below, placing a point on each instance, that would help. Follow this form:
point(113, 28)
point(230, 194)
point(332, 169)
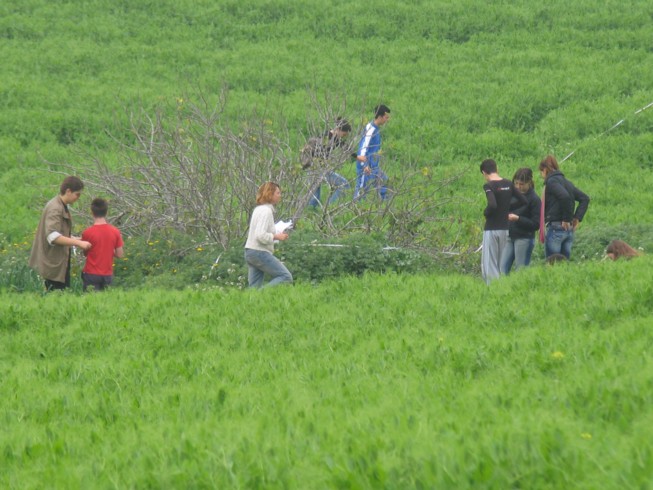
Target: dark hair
point(489, 166)
point(524, 175)
point(343, 125)
point(549, 164)
point(381, 110)
point(555, 258)
point(266, 192)
point(75, 184)
point(99, 207)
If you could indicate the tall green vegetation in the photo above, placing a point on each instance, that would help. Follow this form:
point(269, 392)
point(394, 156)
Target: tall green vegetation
point(541, 381)
point(465, 81)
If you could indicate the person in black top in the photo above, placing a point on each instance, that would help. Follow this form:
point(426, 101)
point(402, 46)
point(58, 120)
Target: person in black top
point(499, 192)
point(320, 155)
point(524, 222)
point(560, 197)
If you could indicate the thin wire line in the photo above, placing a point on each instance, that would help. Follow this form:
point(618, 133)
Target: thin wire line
point(616, 125)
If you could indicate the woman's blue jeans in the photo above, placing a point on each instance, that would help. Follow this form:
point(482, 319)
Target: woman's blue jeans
point(517, 251)
point(260, 263)
point(558, 241)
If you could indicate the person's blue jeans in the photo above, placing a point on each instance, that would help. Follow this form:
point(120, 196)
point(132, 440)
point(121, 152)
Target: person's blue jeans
point(260, 263)
point(558, 241)
point(377, 178)
point(517, 251)
point(337, 183)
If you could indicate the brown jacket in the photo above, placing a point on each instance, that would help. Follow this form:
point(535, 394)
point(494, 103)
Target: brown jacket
point(51, 261)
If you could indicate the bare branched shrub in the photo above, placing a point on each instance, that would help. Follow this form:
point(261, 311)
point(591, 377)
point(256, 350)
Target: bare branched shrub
point(189, 169)
point(186, 169)
point(412, 216)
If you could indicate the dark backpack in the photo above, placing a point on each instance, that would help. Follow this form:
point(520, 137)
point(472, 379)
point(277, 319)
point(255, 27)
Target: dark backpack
point(312, 150)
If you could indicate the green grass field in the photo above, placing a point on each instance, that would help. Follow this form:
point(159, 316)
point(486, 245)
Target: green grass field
point(465, 82)
point(541, 381)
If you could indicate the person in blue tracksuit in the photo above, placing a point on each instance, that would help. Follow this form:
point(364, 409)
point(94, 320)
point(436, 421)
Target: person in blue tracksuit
point(368, 172)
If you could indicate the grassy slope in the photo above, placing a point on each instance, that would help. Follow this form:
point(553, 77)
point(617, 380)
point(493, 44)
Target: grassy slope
point(541, 381)
point(466, 81)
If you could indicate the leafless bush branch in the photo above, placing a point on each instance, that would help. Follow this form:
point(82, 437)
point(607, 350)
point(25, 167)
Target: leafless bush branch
point(186, 168)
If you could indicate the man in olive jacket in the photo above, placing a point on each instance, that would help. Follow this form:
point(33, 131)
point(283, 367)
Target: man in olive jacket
point(50, 255)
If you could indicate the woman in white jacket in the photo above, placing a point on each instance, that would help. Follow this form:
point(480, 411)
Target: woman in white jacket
point(259, 248)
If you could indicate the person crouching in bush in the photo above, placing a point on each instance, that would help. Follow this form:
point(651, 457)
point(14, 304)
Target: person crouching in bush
point(618, 248)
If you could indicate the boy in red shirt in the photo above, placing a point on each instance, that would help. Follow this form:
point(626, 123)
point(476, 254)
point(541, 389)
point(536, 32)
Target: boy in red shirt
point(107, 244)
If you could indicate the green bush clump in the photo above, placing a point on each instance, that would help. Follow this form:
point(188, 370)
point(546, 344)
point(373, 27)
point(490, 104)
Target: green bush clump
point(177, 261)
point(15, 275)
point(316, 259)
point(590, 243)
point(172, 261)
point(310, 258)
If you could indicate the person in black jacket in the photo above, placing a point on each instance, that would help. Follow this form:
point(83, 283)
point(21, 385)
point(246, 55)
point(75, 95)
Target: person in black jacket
point(499, 193)
point(560, 197)
point(321, 155)
point(524, 222)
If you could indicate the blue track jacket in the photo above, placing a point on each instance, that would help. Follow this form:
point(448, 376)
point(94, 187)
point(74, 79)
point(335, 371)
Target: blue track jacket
point(369, 146)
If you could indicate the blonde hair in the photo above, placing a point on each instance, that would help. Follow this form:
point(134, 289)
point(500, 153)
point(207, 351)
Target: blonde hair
point(266, 192)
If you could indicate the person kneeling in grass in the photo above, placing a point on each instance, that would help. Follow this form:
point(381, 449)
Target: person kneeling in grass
point(619, 249)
